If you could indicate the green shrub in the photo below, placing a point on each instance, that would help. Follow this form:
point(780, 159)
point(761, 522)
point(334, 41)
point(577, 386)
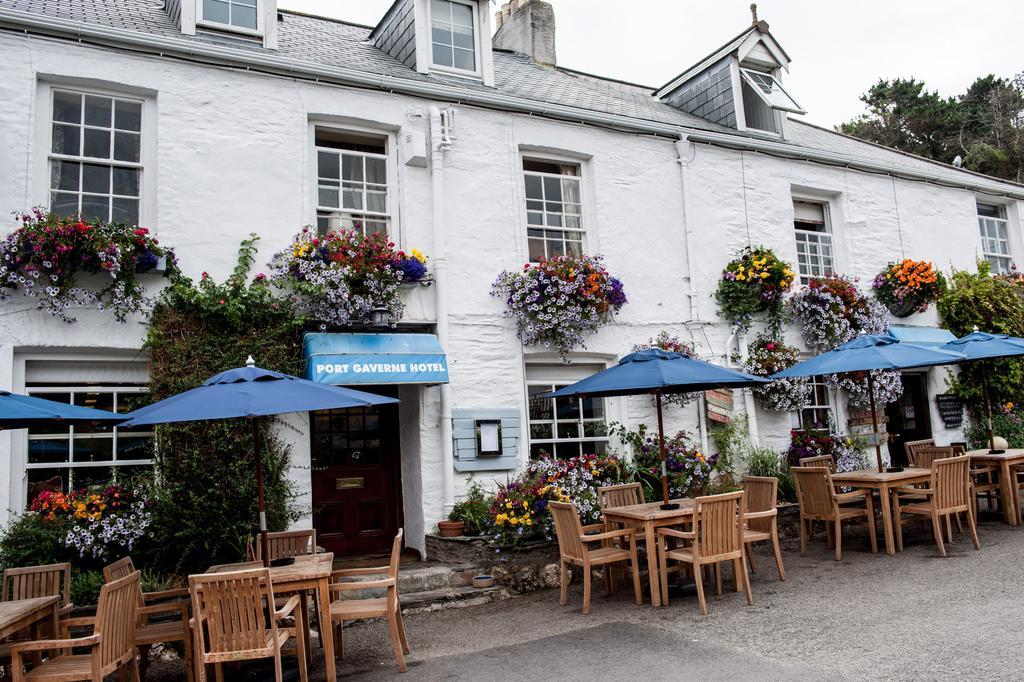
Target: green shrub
point(474, 510)
point(1008, 424)
point(763, 461)
point(29, 540)
point(85, 587)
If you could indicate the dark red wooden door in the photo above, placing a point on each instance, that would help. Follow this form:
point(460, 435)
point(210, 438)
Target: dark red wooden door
point(356, 479)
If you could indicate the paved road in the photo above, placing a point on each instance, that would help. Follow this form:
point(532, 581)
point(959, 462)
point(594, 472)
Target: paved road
point(911, 616)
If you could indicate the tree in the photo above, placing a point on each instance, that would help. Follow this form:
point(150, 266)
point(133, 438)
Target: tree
point(984, 125)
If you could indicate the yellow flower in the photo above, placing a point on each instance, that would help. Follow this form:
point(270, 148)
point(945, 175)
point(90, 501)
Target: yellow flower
point(418, 255)
point(740, 277)
point(514, 521)
point(764, 275)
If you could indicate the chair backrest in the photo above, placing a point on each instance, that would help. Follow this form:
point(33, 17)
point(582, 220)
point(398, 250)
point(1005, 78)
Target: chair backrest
point(38, 581)
point(951, 482)
point(116, 616)
point(814, 490)
point(621, 495)
point(762, 495)
point(567, 529)
point(233, 606)
point(119, 569)
point(923, 456)
point(719, 524)
point(289, 543)
point(396, 554)
point(820, 461)
point(911, 445)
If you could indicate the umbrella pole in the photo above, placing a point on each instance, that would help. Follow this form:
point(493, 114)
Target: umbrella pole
point(264, 539)
point(874, 421)
point(665, 504)
point(988, 408)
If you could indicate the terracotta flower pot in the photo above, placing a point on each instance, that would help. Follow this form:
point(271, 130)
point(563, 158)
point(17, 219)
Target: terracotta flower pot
point(450, 529)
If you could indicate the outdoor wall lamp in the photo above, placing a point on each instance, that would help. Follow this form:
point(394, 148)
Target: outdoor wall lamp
point(381, 317)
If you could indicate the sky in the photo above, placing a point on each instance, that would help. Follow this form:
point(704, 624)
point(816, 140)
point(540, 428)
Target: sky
point(838, 49)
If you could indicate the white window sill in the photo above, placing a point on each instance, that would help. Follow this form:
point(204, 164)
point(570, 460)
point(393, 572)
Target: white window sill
point(228, 28)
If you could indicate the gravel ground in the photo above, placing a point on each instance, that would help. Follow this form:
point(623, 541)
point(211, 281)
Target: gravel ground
point(911, 616)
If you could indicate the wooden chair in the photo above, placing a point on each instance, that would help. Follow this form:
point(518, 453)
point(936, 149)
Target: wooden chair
point(717, 536)
point(923, 455)
point(910, 446)
point(819, 501)
point(35, 581)
point(149, 632)
point(388, 606)
point(762, 517)
point(289, 543)
point(948, 493)
point(111, 645)
point(574, 549)
point(235, 619)
point(820, 461)
point(621, 495)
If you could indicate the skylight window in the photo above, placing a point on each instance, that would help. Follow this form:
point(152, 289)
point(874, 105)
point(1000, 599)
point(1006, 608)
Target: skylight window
point(771, 91)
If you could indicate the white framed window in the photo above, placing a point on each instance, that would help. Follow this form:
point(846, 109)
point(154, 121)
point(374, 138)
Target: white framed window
point(817, 413)
point(235, 15)
point(565, 427)
point(814, 252)
point(352, 181)
point(554, 209)
point(995, 239)
point(768, 89)
point(79, 456)
point(454, 32)
point(95, 159)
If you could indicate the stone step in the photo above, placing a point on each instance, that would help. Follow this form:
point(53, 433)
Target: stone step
point(418, 578)
point(450, 597)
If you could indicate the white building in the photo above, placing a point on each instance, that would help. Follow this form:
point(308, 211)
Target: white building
point(230, 115)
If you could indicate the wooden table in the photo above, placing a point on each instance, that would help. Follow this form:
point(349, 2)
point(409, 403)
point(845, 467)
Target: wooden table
point(648, 517)
point(19, 614)
point(1006, 461)
point(883, 482)
point(311, 572)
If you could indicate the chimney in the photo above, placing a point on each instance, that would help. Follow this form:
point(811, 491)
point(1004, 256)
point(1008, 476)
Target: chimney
point(527, 27)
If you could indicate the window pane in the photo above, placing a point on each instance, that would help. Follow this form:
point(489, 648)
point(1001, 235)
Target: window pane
point(329, 197)
point(553, 192)
point(63, 203)
point(128, 115)
point(64, 175)
point(95, 178)
point(46, 450)
point(134, 447)
point(540, 431)
point(97, 143)
point(540, 408)
point(46, 479)
point(534, 187)
point(243, 16)
point(126, 147)
point(442, 55)
point(66, 140)
point(352, 197)
point(567, 408)
point(536, 250)
point(441, 34)
point(67, 107)
point(352, 168)
point(85, 477)
point(439, 10)
point(215, 10)
point(327, 165)
point(125, 211)
point(126, 181)
point(377, 202)
point(464, 60)
point(98, 111)
point(463, 37)
point(376, 171)
point(593, 408)
point(93, 449)
point(568, 429)
point(95, 208)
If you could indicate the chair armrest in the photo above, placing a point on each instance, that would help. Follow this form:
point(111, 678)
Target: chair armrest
point(908, 490)
point(669, 532)
point(178, 593)
point(289, 606)
point(620, 533)
point(362, 585)
point(345, 572)
point(851, 496)
point(172, 607)
point(67, 608)
point(761, 514)
point(49, 644)
point(593, 527)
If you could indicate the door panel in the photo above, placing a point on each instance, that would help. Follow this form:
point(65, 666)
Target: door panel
point(356, 479)
point(909, 418)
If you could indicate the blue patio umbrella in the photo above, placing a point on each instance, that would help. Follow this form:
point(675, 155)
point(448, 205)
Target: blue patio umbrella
point(24, 411)
point(984, 346)
point(658, 372)
point(866, 353)
point(251, 392)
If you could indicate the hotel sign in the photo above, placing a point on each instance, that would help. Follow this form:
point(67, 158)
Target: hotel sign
point(352, 359)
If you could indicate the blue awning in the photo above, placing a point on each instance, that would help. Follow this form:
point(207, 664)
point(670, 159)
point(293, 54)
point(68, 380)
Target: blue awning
point(347, 359)
point(932, 337)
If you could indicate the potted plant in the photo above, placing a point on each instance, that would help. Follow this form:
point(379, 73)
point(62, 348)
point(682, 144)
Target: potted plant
point(766, 356)
point(474, 511)
point(450, 529)
point(754, 281)
point(832, 310)
point(908, 286)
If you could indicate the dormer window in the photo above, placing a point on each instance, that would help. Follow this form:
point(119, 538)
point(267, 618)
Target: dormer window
point(764, 101)
point(453, 36)
point(770, 91)
point(233, 15)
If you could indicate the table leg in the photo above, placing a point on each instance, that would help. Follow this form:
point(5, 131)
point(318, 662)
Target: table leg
point(652, 562)
point(886, 505)
point(1009, 493)
point(323, 593)
point(305, 634)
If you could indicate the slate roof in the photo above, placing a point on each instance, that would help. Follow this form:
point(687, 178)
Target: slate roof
point(318, 40)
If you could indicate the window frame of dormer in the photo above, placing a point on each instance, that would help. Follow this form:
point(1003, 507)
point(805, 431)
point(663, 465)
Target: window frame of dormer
point(258, 32)
point(478, 59)
point(737, 82)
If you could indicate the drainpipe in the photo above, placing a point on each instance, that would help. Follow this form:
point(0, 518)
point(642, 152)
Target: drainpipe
point(683, 158)
point(439, 144)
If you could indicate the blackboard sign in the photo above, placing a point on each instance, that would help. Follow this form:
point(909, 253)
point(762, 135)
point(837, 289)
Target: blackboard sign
point(951, 410)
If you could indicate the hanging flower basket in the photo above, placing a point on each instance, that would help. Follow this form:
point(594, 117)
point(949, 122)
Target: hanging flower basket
point(888, 385)
point(340, 277)
point(766, 356)
point(755, 281)
point(557, 302)
point(45, 257)
point(832, 310)
point(908, 286)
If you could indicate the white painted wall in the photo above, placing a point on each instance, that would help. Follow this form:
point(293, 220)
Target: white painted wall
point(233, 156)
